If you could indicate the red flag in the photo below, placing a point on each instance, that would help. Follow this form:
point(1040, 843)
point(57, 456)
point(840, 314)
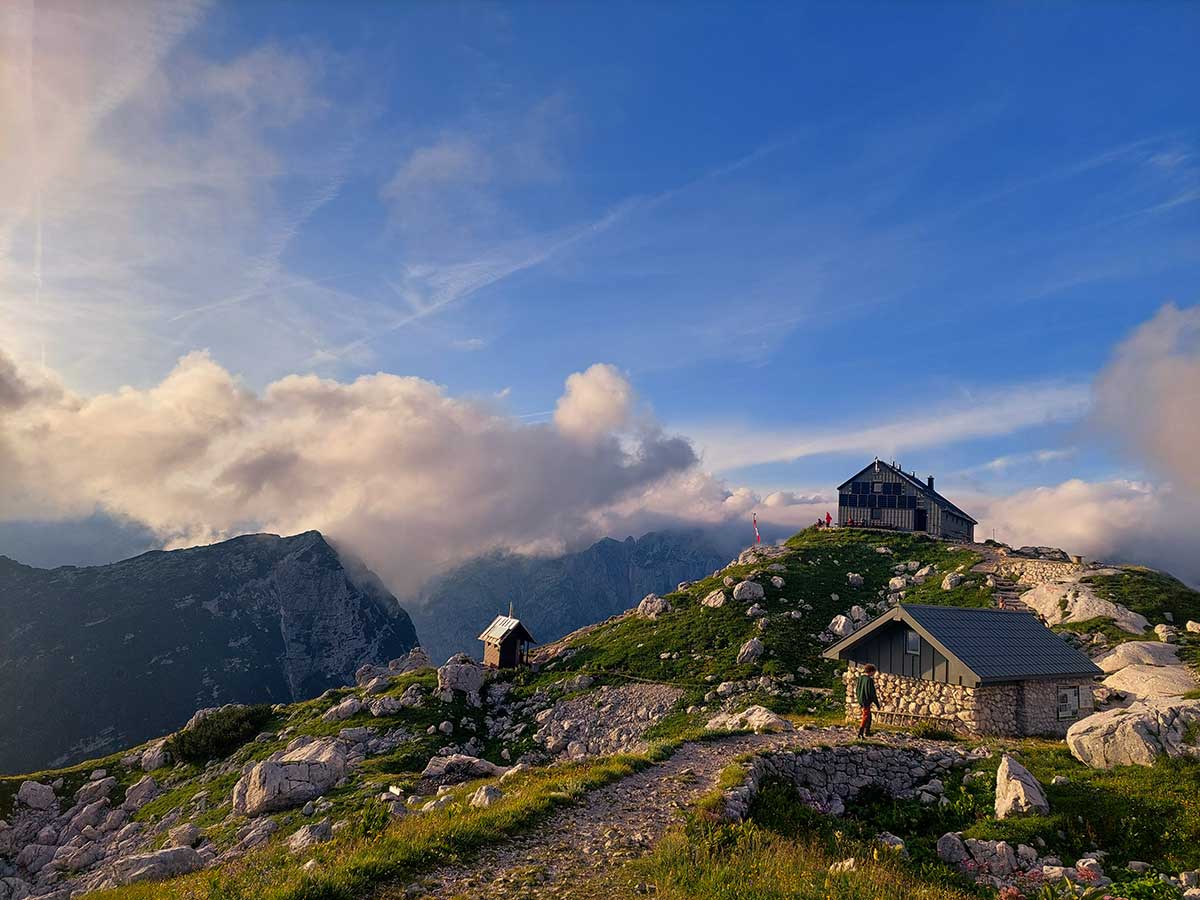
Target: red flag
point(757, 536)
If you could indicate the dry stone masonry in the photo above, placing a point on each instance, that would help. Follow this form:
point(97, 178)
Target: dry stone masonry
point(826, 778)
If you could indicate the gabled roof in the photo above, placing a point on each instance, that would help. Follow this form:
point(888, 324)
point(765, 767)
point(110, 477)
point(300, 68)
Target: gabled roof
point(921, 486)
point(502, 627)
point(994, 644)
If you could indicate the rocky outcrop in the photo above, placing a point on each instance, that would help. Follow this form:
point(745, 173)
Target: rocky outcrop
point(714, 600)
point(609, 720)
point(157, 865)
point(463, 675)
point(1149, 682)
point(36, 795)
point(257, 619)
point(1136, 735)
point(750, 652)
point(290, 777)
point(758, 719)
point(1138, 653)
point(1072, 600)
point(1018, 793)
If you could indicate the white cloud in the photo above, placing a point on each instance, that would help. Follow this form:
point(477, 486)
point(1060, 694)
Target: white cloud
point(408, 476)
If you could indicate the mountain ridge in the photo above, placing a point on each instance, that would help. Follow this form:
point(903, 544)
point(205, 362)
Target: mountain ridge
point(257, 618)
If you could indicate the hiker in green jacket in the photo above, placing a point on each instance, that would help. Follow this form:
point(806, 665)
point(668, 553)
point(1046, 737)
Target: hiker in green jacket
point(864, 692)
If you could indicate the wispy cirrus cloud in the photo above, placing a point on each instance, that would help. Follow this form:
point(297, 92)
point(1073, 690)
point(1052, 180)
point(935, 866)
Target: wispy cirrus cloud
point(987, 414)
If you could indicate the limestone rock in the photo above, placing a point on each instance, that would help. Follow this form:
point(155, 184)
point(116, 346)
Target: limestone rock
point(1074, 601)
point(951, 581)
point(750, 652)
point(1149, 682)
point(758, 719)
point(748, 591)
point(951, 849)
point(351, 706)
point(714, 600)
point(756, 612)
point(308, 835)
point(157, 865)
point(36, 795)
point(653, 606)
point(1018, 793)
point(459, 767)
point(485, 795)
point(897, 583)
point(841, 626)
point(858, 615)
point(1139, 653)
point(855, 580)
point(463, 674)
point(776, 582)
point(155, 757)
point(140, 793)
point(1193, 626)
point(1166, 633)
point(288, 779)
point(1135, 735)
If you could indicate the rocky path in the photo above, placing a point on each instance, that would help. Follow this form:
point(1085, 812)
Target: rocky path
point(612, 825)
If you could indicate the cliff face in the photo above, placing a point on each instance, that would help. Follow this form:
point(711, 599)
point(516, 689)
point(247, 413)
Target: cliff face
point(102, 657)
point(554, 596)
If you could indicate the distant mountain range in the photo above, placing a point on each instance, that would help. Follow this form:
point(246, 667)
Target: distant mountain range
point(102, 657)
point(555, 595)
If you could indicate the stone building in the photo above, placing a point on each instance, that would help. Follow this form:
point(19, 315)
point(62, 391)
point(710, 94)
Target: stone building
point(984, 671)
point(506, 642)
point(885, 496)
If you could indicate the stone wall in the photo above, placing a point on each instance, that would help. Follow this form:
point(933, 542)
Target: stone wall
point(826, 778)
point(1017, 708)
point(1038, 711)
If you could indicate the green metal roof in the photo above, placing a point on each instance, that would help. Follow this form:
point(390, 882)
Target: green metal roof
point(996, 644)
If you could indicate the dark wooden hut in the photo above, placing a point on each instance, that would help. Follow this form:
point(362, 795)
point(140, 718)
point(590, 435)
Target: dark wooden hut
point(885, 496)
point(506, 642)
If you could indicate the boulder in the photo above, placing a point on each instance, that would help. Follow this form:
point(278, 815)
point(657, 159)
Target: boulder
point(841, 626)
point(777, 582)
point(855, 580)
point(95, 790)
point(1193, 626)
point(290, 778)
point(1074, 601)
point(186, 835)
point(463, 674)
point(1135, 735)
point(1148, 682)
point(758, 719)
point(858, 615)
point(951, 849)
point(308, 835)
point(36, 795)
point(653, 606)
point(485, 795)
point(897, 583)
point(1138, 653)
point(951, 581)
point(14, 889)
point(351, 706)
point(756, 612)
point(1166, 633)
point(155, 757)
point(750, 652)
point(714, 600)
point(415, 659)
point(140, 793)
point(157, 865)
point(1018, 793)
point(459, 767)
point(748, 591)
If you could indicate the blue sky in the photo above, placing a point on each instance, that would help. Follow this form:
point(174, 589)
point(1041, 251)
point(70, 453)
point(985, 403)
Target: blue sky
point(783, 224)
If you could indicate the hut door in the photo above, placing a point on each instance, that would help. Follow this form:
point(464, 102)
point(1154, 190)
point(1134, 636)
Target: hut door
point(920, 519)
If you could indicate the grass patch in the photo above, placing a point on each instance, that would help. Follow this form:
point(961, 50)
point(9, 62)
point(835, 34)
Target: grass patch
point(1150, 593)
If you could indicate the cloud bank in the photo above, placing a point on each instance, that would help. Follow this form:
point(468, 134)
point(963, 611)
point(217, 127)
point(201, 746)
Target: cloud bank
point(406, 475)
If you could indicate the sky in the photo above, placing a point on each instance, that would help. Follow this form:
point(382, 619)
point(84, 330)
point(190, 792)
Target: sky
point(440, 277)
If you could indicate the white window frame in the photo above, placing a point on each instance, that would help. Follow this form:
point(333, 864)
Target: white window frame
point(908, 640)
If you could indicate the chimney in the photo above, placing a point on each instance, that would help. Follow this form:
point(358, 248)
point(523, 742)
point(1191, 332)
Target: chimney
point(931, 482)
point(510, 608)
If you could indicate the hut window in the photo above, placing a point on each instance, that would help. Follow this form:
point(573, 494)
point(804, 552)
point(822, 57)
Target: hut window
point(875, 513)
point(1068, 702)
point(912, 642)
point(877, 487)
